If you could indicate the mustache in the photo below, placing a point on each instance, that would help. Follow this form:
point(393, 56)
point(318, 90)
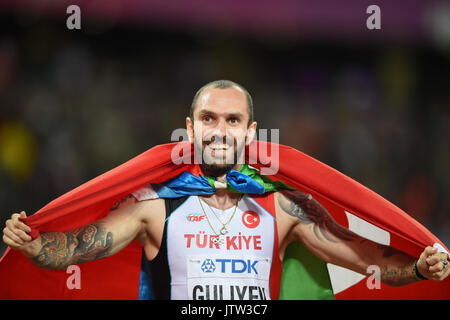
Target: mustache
point(229, 140)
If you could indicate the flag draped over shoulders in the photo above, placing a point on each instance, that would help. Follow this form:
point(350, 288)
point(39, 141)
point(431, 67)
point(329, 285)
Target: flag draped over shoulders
point(304, 276)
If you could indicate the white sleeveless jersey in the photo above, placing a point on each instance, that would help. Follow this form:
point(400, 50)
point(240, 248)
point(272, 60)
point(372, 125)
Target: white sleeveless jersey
point(240, 268)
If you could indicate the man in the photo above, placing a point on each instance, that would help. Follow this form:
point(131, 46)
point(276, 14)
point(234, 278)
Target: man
point(225, 245)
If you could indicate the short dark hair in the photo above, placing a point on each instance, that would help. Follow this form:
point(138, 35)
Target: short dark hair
point(223, 84)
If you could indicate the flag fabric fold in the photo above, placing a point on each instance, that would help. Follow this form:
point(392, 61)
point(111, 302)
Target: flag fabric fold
point(117, 277)
point(246, 180)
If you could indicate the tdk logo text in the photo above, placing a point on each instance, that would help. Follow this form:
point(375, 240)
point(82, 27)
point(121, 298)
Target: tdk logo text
point(229, 265)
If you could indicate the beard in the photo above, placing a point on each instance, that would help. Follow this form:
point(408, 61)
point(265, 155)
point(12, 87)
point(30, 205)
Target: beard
point(216, 169)
point(225, 160)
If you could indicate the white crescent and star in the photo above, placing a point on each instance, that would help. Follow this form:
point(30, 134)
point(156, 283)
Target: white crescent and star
point(250, 219)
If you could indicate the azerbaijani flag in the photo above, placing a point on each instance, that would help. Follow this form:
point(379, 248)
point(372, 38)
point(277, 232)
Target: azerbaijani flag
point(304, 276)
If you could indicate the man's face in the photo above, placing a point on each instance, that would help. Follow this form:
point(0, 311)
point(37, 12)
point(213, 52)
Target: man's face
point(220, 130)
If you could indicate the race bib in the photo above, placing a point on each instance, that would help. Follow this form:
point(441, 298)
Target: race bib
point(228, 277)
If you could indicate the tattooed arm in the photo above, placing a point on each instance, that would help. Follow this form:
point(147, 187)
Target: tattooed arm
point(105, 237)
point(322, 235)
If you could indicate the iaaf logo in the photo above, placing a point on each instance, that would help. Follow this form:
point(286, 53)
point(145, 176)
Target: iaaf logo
point(232, 265)
point(195, 217)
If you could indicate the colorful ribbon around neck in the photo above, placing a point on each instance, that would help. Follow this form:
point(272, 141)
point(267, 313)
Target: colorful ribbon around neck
point(246, 180)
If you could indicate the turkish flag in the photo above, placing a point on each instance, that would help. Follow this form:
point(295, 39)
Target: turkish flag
point(117, 277)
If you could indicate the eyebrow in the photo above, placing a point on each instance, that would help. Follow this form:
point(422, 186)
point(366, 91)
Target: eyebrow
point(228, 115)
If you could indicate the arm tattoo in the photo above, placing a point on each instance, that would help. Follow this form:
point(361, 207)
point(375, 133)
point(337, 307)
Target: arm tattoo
point(396, 266)
point(61, 249)
point(400, 274)
point(311, 212)
point(91, 242)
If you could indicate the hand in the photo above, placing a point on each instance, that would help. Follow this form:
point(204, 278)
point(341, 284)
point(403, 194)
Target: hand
point(431, 264)
point(15, 234)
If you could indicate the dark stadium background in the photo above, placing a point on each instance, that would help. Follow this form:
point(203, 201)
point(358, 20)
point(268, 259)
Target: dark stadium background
point(373, 104)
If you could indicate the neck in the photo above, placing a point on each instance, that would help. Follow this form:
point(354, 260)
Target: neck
point(222, 199)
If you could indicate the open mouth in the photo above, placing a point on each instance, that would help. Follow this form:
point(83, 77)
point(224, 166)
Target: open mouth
point(218, 151)
point(217, 146)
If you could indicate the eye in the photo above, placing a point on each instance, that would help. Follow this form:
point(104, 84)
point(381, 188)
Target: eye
point(233, 121)
point(207, 119)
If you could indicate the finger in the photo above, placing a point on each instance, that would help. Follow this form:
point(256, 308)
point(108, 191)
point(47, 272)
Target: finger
point(23, 215)
point(442, 255)
point(437, 275)
point(12, 236)
point(438, 267)
point(22, 226)
point(15, 216)
point(9, 242)
point(14, 225)
point(22, 235)
point(430, 251)
point(423, 255)
point(434, 259)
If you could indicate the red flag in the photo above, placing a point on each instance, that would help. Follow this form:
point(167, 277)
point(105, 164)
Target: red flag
point(117, 277)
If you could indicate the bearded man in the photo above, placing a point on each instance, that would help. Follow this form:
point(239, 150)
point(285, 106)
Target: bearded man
point(225, 245)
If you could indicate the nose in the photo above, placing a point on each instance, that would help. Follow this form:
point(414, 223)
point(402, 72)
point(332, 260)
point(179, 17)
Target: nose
point(222, 127)
point(219, 131)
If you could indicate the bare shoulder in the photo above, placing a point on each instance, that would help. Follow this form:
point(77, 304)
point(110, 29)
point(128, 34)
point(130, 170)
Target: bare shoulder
point(285, 222)
point(144, 211)
point(285, 207)
point(301, 206)
point(151, 210)
point(150, 214)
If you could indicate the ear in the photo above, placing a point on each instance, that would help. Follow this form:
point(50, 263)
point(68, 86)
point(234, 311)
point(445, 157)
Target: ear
point(190, 129)
point(251, 133)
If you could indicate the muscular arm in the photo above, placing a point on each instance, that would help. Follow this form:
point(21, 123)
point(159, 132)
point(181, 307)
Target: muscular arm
point(331, 242)
point(105, 237)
